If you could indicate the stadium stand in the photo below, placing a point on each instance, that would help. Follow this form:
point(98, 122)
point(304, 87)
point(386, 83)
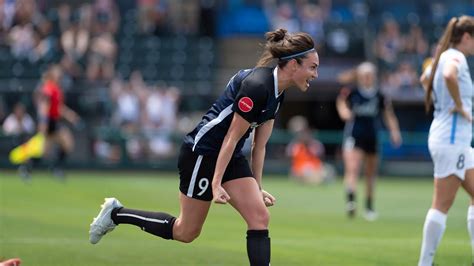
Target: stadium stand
point(195, 46)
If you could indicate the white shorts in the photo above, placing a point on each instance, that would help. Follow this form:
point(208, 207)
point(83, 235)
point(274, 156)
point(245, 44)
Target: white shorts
point(451, 160)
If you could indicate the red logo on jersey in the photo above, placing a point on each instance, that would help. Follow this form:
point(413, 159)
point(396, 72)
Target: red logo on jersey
point(245, 104)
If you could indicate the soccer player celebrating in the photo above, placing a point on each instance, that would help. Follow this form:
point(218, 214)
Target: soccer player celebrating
point(448, 86)
point(211, 164)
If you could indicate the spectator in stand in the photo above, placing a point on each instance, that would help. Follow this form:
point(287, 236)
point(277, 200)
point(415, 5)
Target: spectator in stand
point(160, 116)
point(283, 16)
point(74, 43)
point(416, 44)
point(106, 17)
point(21, 39)
point(312, 22)
point(102, 57)
point(388, 45)
point(152, 16)
point(19, 122)
point(128, 114)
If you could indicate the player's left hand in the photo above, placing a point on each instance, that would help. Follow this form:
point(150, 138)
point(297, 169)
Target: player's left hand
point(268, 199)
point(396, 139)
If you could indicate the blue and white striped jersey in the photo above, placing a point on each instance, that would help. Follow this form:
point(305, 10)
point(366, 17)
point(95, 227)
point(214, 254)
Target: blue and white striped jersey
point(253, 94)
point(449, 128)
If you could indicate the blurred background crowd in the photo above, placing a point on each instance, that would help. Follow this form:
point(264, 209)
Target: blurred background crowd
point(141, 72)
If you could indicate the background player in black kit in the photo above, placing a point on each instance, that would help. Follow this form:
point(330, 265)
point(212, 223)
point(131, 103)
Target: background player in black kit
point(361, 108)
point(211, 164)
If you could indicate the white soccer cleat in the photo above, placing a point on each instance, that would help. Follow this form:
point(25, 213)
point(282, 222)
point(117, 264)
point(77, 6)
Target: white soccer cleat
point(103, 223)
point(370, 215)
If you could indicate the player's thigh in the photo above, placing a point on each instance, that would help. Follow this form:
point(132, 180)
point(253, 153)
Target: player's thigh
point(193, 213)
point(65, 138)
point(352, 159)
point(468, 183)
point(246, 198)
point(445, 190)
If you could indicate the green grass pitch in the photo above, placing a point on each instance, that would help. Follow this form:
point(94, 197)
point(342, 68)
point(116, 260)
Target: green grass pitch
point(46, 222)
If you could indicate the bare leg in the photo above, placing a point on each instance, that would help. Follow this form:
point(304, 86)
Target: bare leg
point(371, 167)
point(188, 225)
point(352, 161)
point(247, 199)
point(468, 185)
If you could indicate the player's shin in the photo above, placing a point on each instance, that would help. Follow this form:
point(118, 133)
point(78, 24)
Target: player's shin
point(258, 247)
point(470, 228)
point(156, 223)
point(433, 230)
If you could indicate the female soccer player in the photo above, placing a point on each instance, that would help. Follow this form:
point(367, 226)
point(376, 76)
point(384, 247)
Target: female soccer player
point(449, 88)
point(211, 164)
point(51, 109)
point(360, 108)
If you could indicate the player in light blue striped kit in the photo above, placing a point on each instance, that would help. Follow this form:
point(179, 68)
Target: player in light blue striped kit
point(448, 86)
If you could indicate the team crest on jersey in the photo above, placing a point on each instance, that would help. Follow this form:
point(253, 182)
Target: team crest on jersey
point(245, 104)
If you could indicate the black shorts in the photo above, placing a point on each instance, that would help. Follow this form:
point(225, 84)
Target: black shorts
point(368, 145)
point(196, 172)
point(53, 126)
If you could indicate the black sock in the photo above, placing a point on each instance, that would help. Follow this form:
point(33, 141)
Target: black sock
point(350, 196)
point(368, 204)
point(62, 154)
point(258, 247)
point(156, 223)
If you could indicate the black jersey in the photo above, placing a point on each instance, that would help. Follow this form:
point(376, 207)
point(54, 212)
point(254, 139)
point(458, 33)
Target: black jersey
point(253, 94)
point(366, 106)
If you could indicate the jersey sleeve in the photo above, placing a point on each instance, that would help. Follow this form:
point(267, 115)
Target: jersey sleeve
point(46, 90)
point(250, 101)
point(458, 61)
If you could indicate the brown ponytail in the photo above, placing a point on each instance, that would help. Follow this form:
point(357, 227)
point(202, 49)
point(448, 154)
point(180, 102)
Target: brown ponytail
point(281, 44)
point(451, 36)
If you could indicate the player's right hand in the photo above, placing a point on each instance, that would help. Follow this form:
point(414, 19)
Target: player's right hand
point(462, 112)
point(219, 194)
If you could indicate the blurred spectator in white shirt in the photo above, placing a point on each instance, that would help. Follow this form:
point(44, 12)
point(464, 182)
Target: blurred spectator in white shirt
point(18, 122)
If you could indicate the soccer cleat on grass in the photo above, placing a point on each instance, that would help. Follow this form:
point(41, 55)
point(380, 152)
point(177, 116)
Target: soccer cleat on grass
point(103, 223)
point(24, 173)
point(370, 215)
point(351, 209)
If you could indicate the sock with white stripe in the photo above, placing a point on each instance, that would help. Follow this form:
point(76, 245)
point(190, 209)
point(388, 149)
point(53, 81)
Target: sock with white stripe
point(470, 227)
point(433, 230)
point(156, 223)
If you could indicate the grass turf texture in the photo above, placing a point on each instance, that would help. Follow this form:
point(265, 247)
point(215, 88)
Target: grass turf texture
point(46, 222)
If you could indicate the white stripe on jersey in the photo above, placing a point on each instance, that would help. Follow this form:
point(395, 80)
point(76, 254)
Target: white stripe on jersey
point(227, 111)
point(447, 128)
point(193, 176)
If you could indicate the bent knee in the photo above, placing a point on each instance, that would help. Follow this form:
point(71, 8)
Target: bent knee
point(260, 220)
point(187, 236)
